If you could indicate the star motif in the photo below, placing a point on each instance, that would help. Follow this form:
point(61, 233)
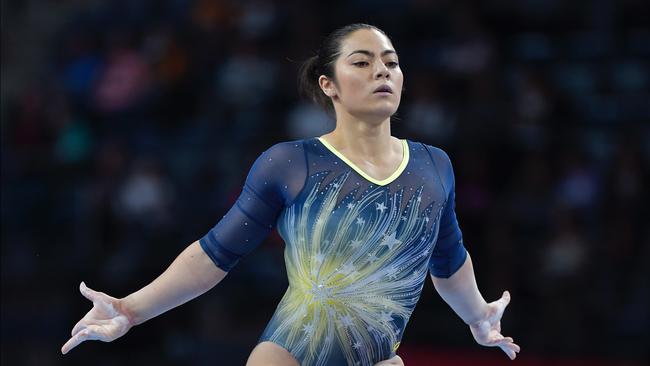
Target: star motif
point(350, 206)
point(392, 272)
point(346, 321)
point(357, 345)
point(426, 219)
point(404, 218)
point(336, 185)
point(419, 199)
point(386, 317)
point(381, 207)
point(372, 258)
point(390, 241)
point(355, 243)
point(360, 221)
point(308, 329)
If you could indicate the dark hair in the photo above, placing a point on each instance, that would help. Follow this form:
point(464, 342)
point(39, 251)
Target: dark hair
point(323, 64)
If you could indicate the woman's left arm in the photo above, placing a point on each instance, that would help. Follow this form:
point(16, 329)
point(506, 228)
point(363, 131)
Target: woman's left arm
point(484, 319)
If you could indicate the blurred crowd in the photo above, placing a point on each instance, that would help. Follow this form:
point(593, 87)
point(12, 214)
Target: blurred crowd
point(128, 128)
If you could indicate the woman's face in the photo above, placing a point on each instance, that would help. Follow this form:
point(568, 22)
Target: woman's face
point(368, 77)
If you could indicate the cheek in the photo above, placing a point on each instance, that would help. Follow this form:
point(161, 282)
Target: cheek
point(353, 83)
point(350, 91)
point(399, 79)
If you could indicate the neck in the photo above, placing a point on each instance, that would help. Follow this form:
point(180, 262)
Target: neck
point(359, 137)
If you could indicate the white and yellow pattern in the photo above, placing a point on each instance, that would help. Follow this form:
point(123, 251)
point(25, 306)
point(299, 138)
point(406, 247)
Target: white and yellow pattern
point(356, 270)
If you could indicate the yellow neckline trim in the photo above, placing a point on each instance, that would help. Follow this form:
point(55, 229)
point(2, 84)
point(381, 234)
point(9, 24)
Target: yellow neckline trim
point(383, 182)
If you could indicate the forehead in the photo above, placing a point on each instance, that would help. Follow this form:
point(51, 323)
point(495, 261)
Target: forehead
point(365, 39)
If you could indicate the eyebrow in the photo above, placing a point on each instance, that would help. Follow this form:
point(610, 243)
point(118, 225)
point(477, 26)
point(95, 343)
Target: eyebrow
point(371, 54)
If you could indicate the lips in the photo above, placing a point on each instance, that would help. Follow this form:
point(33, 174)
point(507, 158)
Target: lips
point(383, 89)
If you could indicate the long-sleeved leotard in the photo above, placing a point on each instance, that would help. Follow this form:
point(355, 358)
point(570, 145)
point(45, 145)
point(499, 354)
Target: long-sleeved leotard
point(357, 249)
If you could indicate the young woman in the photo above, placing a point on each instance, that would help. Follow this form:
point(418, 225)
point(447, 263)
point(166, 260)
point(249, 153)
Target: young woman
point(364, 216)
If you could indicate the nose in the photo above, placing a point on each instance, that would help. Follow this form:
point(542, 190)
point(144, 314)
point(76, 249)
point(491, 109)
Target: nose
point(381, 71)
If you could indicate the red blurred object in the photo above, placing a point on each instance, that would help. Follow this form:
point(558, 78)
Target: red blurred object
point(424, 356)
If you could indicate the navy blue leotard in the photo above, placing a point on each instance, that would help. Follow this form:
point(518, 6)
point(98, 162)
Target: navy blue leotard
point(357, 249)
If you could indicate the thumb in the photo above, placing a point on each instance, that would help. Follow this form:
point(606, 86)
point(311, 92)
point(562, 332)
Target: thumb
point(505, 298)
point(89, 294)
point(499, 306)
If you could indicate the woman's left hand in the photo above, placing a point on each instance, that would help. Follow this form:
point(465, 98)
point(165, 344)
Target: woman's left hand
point(487, 331)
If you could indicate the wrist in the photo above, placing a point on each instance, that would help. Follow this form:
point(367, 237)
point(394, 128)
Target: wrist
point(479, 315)
point(124, 307)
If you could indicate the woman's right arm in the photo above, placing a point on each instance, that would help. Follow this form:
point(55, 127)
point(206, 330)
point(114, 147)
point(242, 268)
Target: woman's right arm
point(276, 177)
point(191, 274)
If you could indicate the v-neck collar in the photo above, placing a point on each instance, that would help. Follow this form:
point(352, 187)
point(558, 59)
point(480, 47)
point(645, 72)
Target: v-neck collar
point(382, 182)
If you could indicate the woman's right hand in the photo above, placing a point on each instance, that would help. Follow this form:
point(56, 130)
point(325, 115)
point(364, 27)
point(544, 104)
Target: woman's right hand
point(105, 322)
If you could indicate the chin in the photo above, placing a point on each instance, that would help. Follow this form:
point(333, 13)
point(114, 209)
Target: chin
point(382, 113)
point(378, 112)
point(376, 115)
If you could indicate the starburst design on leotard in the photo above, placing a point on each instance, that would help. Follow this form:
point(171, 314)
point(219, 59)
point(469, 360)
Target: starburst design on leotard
point(350, 266)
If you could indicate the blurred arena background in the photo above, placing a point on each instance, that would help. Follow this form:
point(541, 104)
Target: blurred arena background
point(128, 128)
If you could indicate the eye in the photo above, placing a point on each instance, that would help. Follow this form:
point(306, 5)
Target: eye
point(360, 63)
point(392, 64)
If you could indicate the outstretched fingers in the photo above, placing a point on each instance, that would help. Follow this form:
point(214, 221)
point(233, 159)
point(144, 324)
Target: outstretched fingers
point(81, 324)
point(495, 339)
point(91, 295)
point(488, 332)
point(506, 344)
point(509, 347)
point(76, 339)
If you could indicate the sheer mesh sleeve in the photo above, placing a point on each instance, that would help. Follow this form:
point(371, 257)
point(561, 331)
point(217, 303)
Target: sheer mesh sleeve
point(449, 253)
point(275, 179)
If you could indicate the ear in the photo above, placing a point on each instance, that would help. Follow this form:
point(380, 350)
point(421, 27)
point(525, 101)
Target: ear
point(327, 86)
